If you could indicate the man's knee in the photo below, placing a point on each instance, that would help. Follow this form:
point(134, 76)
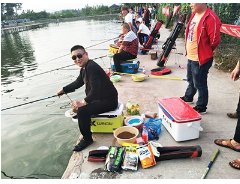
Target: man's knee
point(83, 112)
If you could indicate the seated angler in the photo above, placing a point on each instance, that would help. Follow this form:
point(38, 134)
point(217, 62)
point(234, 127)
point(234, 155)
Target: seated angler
point(128, 49)
point(101, 95)
point(142, 31)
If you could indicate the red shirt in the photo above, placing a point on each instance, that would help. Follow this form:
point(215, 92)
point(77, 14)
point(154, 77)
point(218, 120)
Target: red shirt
point(146, 14)
point(208, 35)
point(131, 43)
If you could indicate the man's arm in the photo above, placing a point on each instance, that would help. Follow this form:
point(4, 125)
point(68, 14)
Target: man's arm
point(213, 30)
point(139, 31)
point(95, 84)
point(121, 48)
point(131, 26)
point(235, 73)
point(74, 85)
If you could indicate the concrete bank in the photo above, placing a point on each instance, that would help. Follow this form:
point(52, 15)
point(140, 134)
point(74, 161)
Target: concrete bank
point(223, 97)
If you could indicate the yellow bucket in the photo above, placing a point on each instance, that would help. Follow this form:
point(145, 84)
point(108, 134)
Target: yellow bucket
point(113, 49)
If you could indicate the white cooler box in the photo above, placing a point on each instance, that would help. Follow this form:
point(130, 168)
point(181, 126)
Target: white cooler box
point(179, 118)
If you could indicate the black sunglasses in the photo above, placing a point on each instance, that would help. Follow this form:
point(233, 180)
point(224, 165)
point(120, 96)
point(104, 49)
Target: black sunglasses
point(78, 55)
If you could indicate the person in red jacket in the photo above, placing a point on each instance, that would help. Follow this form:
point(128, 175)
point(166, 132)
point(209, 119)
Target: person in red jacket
point(202, 38)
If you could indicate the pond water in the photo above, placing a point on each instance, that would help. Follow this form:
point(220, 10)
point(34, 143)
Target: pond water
point(36, 138)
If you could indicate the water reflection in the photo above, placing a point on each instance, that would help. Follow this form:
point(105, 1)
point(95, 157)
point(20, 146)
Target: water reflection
point(17, 56)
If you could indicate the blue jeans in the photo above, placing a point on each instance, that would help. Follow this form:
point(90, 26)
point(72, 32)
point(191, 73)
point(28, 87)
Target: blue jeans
point(197, 82)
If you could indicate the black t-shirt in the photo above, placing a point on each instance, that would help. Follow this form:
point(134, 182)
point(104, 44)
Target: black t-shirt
point(98, 84)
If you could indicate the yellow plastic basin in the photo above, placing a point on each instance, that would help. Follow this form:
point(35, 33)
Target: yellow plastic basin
point(138, 77)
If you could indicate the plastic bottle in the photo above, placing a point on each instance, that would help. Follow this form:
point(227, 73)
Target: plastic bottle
point(143, 70)
point(128, 107)
point(137, 109)
point(145, 135)
point(132, 110)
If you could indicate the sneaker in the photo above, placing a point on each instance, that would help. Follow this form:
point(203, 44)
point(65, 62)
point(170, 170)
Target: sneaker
point(200, 110)
point(82, 145)
point(232, 115)
point(186, 100)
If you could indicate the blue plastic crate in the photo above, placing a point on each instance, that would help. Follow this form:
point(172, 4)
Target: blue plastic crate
point(128, 67)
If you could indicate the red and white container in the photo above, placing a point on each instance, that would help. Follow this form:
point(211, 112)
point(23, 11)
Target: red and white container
point(180, 119)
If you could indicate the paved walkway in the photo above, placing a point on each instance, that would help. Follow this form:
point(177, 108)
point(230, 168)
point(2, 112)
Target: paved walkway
point(223, 97)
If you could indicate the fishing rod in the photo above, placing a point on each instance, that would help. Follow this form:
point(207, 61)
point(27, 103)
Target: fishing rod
point(57, 69)
point(29, 102)
point(210, 164)
point(153, 76)
point(85, 48)
point(161, 51)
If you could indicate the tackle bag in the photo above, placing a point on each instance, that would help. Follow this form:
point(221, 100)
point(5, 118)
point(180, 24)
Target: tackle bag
point(153, 34)
point(170, 42)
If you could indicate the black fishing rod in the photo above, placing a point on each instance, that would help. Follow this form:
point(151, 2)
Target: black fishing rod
point(85, 48)
point(29, 102)
point(57, 69)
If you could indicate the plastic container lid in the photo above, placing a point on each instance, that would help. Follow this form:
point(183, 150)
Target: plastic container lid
point(178, 110)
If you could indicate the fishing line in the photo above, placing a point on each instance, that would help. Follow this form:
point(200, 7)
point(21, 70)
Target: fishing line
point(104, 63)
point(85, 48)
point(50, 103)
point(65, 106)
point(33, 114)
point(29, 102)
point(56, 69)
point(69, 97)
point(61, 107)
point(31, 176)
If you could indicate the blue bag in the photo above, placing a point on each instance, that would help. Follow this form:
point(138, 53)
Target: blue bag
point(155, 126)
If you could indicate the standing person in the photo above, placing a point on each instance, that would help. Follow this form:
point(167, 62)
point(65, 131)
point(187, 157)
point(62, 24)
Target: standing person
point(146, 16)
point(234, 143)
point(142, 31)
point(133, 19)
point(127, 17)
point(150, 9)
point(141, 11)
point(202, 38)
point(101, 95)
point(154, 16)
point(128, 49)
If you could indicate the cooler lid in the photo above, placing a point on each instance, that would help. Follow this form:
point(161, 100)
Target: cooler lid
point(117, 111)
point(179, 110)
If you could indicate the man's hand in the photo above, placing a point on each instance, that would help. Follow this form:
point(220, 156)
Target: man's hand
point(235, 73)
point(60, 93)
point(77, 104)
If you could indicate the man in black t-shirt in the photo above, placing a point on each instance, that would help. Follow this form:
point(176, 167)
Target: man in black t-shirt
point(101, 95)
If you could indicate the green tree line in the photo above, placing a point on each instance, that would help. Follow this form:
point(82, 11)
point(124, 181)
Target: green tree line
point(9, 11)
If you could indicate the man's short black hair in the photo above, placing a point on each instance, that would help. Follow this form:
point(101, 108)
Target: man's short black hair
point(76, 47)
point(154, 6)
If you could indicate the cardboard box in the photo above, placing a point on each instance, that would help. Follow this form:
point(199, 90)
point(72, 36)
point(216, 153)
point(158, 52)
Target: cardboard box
point(180, 119)
point(109, 121)
point(153, 55)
